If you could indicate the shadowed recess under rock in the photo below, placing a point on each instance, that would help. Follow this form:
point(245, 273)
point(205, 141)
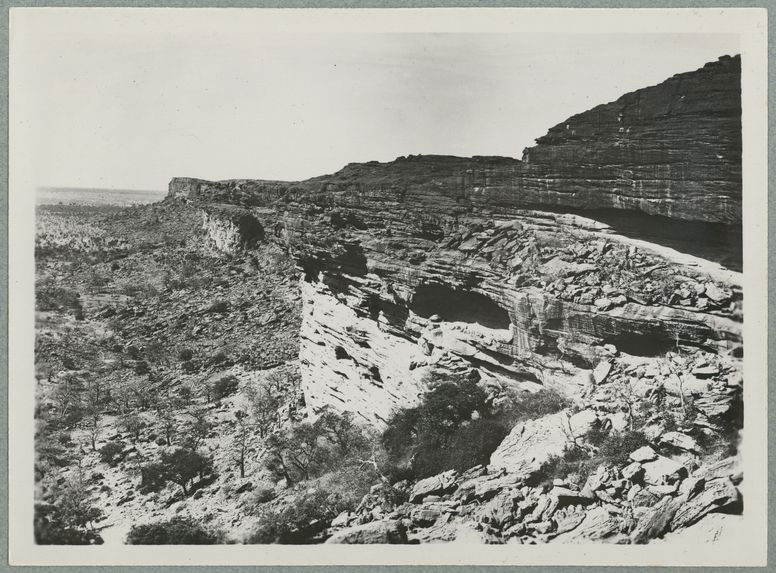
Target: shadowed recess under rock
point(458, 306)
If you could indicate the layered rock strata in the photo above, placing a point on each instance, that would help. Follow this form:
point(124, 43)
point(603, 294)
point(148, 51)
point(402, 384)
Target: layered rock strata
point(430, 265)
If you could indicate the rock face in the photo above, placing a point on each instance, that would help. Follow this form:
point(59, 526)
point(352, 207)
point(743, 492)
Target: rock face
point(229, 228)
point(430, 265)
point(673, 149)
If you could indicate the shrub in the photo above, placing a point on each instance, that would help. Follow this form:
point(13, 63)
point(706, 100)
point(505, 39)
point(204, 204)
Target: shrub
point(188, 367)
point(613, 449)
point(617, 446)
point(456, 427)
point(179, 466)
point(49, 529)
point(453, 427)
point(220, 306)
point(133, 424)
point(175, 531)
point(152, 477)
point(263, 493)
point(141, 367)
point(110, 451)
point(300, 520)
point(185, 355)
point(225, 386)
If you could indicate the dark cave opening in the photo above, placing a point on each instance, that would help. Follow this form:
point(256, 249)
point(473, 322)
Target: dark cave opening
point(458, 306)
point(637, 344)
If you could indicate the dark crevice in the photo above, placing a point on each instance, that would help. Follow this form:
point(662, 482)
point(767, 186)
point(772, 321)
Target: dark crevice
point(458, 306)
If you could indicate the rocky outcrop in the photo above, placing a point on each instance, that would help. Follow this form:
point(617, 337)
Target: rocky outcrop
point(495, 505)
point(229, 228)
point(673, 149)
point(431, 265)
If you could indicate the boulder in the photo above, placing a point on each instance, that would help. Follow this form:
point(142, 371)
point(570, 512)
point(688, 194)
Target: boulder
point(680, 441)
point(633, 472)
point(716, 494)
point(597, 525)
point(425, 516)
point(727, 467)
point(663, 471)
point(643, 454)
point(382, 532)
point(438, 484)
point(656, 521)
point(532, 443)
point(601, 371)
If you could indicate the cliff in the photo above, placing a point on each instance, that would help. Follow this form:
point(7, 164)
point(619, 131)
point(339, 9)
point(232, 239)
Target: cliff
point(432, 264)
point(673, 149)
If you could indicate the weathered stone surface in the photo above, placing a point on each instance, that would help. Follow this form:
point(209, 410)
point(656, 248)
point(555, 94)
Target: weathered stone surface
point(597, 525)
point(716, 494)
point(679, 138)
point(711, 528)
point(656, 521)
point(727, 467)
point(442, 483)
point(680, 441)
point(385, 248)
point(392, 532)
point(530, 444)
point(643, 454)
point(663, 471)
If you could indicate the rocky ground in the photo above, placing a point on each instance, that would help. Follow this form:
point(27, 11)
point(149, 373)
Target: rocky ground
point(274, 334)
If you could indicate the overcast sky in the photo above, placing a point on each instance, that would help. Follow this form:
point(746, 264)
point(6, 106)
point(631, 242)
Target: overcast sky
point(131, 102)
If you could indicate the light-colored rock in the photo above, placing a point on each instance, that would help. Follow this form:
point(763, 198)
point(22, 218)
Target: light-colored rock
point(656, 521)
point(341, 520)
point(601, 371)
point(716, 293)
point(632, 471)
point(438, 484)
point(597, 525)
point(716, 494)
point(531, 443)
point(691, 486)
point(384, 532)
point(680, 441)
point(705, 371)
point(643, 454)
point(716, 528)
point(728, 467)
point(662, 471)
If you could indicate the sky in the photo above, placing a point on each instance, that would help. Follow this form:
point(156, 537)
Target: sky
point(129, 102)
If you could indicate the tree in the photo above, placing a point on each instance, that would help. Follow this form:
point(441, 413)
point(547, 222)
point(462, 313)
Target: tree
point(241, 440)
point(264, 404)
point(92, 426)
point(181, 466)
point(167, 420)
point(300, 452)
point(133, 424)
point(198, 429)
point(75, 504)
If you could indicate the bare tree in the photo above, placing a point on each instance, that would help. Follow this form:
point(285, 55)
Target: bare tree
point(241, 440)
point(264, 404)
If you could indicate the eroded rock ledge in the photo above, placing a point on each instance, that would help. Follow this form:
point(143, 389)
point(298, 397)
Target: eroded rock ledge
point(443, 264)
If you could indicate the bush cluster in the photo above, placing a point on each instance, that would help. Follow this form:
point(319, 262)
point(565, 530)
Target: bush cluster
point(109, 452)
point(610, 449)
point(179, 466)
point(175, 531)
point(225, 386)
point(456, 427)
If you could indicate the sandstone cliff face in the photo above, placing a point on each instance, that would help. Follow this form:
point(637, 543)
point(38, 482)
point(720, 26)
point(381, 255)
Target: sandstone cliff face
point(435, 264)
point(673, 149)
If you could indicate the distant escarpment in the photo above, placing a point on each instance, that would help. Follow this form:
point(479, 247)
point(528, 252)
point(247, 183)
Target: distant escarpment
point(486, 265)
